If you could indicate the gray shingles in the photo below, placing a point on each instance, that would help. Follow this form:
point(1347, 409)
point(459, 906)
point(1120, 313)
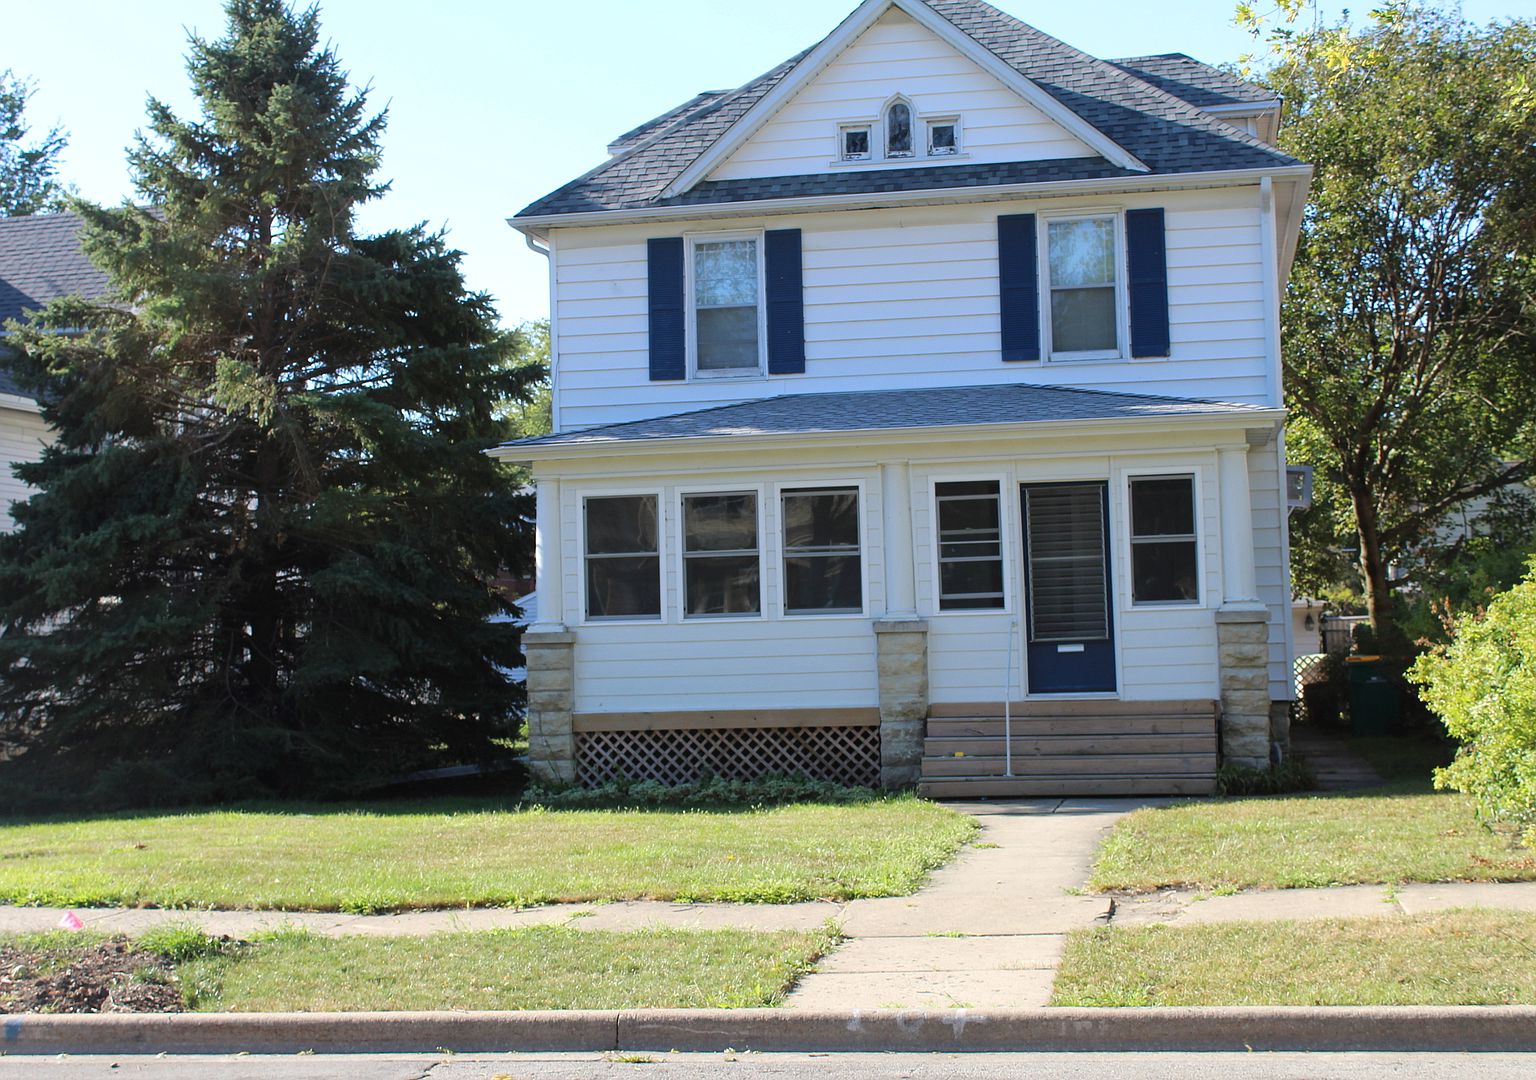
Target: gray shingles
point(40, 259)
point(1165, 132)
point(1199, 84)
point(873, 410)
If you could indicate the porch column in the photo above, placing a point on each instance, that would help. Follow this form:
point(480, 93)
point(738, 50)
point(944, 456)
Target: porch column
point(901, 640)
point(1242, 624)
point(550, 651)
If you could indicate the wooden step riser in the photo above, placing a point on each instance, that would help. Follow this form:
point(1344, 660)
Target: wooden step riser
point(1116, 725)
point(948, 746)
point(1148, 765)
point(1062, 787)
point(1058, 707)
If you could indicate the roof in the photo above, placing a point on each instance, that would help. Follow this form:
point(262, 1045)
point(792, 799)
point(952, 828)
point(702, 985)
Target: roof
point(41, 259)
point(1199, 84)
point(638, 134)
point(1167, 133)
point(876, 410)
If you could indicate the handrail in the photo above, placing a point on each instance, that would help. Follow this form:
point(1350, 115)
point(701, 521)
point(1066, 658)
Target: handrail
point(1013, 626)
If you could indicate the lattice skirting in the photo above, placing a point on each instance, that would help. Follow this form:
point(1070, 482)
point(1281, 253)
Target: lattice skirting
point(843, 755)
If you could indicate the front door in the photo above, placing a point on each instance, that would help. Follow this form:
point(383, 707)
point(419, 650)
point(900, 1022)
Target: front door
point(1070, 628)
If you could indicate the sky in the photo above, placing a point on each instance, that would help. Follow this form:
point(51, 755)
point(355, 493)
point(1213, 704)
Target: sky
point(493, 104)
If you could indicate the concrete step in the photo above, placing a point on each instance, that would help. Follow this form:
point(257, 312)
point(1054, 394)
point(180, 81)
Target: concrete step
point(1161, 765)
point(1000, 787)
point(1032, 727)
point(1037, 745)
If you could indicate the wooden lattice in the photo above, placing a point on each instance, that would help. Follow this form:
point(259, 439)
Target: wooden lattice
point(843, 755)
point(1308, 669)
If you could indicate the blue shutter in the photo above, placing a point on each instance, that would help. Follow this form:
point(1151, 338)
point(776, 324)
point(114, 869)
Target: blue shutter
point(1019, 279)
point(786, 302)
point(1148, 258)
point(669, 355)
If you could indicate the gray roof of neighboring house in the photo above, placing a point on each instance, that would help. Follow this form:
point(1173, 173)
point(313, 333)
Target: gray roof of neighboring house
point(873, 410)
point(40, 259)
point(1164, 131)
point(1197, 83)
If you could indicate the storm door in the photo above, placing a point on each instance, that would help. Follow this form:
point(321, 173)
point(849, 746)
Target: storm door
point(1069, 632)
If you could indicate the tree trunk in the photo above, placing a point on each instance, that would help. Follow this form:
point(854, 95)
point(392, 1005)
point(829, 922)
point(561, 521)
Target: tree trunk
point(1373, 567)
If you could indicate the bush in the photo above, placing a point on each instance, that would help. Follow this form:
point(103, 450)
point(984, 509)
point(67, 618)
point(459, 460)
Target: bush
point(707, 791)
point(1290, 775)
point(1483, 687)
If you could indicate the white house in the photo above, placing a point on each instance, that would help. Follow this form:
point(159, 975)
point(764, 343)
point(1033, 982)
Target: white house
point(40, 259)
point(917, 417)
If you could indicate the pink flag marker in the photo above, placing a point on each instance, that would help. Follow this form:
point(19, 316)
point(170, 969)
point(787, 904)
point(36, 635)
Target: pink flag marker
point(71, 921)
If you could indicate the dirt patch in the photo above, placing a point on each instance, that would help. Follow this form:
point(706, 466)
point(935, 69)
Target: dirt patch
point(111, 976)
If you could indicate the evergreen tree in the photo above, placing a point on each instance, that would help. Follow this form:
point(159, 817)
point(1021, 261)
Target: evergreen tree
point(260, 555)
point(28, 171)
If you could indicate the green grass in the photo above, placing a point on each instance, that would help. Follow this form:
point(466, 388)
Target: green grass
point(1449, 958)
point(1403, 832)
point(464, 853)
point(535, 968)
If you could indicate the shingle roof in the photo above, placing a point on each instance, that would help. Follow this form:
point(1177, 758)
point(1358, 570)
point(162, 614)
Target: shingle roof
point(637, 135)
point(1167, 133)
point(40, 259)
point(874, 410)
point(1199, 84)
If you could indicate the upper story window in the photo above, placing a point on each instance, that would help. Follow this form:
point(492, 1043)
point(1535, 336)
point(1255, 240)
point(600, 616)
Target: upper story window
point(623, 557)
point(1082, 268)
point(898, 133)
point(727, 310)
point(855, 144)
point(943, 138)
point(898, 130)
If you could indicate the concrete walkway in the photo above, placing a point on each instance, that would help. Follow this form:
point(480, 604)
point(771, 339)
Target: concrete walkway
point(1342, 902)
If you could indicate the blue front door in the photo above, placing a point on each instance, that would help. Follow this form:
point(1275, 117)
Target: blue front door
point(1070, 633)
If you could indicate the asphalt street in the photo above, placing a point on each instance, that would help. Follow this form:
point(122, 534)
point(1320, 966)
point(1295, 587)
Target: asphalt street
point(746, 1066)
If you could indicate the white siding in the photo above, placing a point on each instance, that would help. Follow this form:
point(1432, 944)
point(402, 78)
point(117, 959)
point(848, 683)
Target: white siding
point(909, 298)
point(22, 438)
point(1271, 567)
point(899, 56)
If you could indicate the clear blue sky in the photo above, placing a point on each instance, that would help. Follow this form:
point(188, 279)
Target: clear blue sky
point(493, 103)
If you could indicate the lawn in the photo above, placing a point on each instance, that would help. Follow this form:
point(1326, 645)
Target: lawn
point(452, 854)
point(1402, 832)
point(1450, 958)
point(537, 968)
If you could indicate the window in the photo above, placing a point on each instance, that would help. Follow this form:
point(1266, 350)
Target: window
point(720, 564)
point(855, 144)
point(727, 273)
point(941, 138)
point(823, 572)
point(1164, 549)
point(623, 558)
point(1080, 257)
point(898, 130)
point(970, 546)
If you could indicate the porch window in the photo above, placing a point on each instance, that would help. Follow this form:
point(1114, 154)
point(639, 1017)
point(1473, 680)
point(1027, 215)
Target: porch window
point(970, 546)
point(1164, 548)
point(823, 569)
point(720, 557)
point(1084, 289)
point(623, 558)
point(727, 276)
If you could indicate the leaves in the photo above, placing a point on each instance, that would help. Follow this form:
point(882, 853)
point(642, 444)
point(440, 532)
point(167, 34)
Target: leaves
point(28, 170)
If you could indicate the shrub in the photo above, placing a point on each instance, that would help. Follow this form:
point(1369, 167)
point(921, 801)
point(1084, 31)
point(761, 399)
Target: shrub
point(1483, 687)
point(1293, 774)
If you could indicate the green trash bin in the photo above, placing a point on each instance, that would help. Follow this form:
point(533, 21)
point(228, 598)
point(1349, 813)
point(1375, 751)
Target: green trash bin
point(1373, 696)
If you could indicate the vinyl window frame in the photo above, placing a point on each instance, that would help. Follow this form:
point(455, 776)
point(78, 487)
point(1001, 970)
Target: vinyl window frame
point(781, 548)
point(685, 492)
point(1195, 475)
point(1122, 292)
point(1005, 540)
point(691, 240)
point(658, 494)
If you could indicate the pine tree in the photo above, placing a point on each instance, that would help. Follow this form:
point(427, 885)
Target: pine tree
point(260, 556)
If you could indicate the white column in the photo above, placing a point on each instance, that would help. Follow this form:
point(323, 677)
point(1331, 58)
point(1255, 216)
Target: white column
point(896, 498)
point(1238, 581)
point(546, 558)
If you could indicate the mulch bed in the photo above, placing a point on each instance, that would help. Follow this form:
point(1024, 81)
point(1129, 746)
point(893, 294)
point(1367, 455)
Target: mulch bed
point(105, 978)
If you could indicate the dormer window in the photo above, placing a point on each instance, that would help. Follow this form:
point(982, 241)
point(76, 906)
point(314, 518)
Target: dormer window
point(898, 130)
point(941, 138)
point(856, 143)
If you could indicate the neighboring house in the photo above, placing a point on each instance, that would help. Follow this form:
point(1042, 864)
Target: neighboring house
point(923, 389)
point(40, 259)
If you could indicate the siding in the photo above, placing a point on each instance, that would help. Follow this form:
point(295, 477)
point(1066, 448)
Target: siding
point(22, 438)
point(899, 56)
point(897, 298)
point(1271, 564)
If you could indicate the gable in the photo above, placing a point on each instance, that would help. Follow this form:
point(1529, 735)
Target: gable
point(897, 56)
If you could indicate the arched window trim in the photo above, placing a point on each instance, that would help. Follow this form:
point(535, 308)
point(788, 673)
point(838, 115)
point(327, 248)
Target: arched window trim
point(878, 128)
point(913, 124)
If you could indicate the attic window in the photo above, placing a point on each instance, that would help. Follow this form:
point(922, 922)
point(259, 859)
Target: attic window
point(855, 144)
point(941, 138)
point(898, 130)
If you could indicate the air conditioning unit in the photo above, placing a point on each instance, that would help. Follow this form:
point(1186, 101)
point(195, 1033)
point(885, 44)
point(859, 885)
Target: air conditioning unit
point(1298, 487)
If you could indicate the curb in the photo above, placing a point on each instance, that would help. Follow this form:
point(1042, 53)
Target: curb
point(1263, 1028)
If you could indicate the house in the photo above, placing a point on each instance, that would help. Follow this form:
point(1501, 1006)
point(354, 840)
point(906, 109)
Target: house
point(40, 259)
point(917, 418)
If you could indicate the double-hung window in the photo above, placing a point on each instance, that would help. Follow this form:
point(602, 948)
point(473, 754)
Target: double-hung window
point(823, 568)
point(1165, 559)
point(727, 305)
point(1083, 283)
point(623, 557)
point(970, 546)
point(720, 554)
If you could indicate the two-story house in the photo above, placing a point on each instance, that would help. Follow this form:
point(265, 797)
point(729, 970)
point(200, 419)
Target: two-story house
point(917, 417)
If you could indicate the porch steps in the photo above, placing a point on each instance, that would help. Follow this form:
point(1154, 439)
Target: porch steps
point(1062, 748)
